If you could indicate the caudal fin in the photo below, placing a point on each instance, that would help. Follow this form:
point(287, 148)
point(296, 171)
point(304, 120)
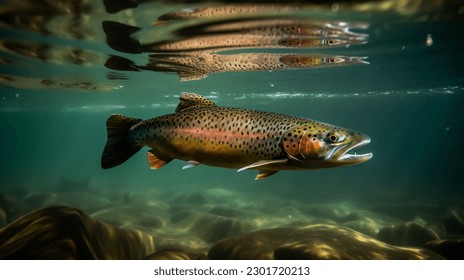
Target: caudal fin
point(118, 149)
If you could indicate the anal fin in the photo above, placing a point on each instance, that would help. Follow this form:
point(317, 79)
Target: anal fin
point(156, 159)
point(265, 173)
point(264, 163)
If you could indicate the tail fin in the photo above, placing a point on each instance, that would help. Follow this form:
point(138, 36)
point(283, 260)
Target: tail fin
point(118, 149)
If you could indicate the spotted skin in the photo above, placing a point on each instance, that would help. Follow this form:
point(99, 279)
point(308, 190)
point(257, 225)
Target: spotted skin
point(215, 43)
point(203, 133)
point(233, 10)
point(218, 136)
point(198, 65)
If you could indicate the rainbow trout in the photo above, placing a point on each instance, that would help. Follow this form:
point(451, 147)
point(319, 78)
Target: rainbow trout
point(201, 132)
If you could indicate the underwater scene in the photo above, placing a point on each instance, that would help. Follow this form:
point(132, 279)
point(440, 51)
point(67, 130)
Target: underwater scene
point(157, 129)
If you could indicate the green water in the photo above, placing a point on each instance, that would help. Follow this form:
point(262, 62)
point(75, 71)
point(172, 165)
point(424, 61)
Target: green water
point(409, 99)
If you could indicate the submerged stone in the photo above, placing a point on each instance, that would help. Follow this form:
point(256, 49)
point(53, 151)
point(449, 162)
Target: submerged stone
point(406, 234)
point(3, 218)
point(172, 254)
point(410, 210)
point(367, 222)
point(186, 242)
point(133, 215)
point(180, 215)
point(12, 206)
point(175, 254)
point(454, 222)
point(452, 249)
point(312, 242)
point(227, 212)
point(192, 199)
point(212, 228)
point(86, 201)
point(39, 200)
point(226, 197)
point(332, 211)
point(62, 232)
point(365, 225)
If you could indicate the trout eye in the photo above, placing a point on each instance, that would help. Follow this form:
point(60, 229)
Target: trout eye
point(335, 60)
point(331, 43)
point(334, 137)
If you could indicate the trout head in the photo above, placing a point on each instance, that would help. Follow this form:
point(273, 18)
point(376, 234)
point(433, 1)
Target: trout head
point(316, 145)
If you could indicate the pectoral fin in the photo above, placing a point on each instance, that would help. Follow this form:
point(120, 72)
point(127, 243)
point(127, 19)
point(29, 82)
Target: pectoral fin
point(265, 173)
point(190, 164)
point(263, 163)
point(156, 159)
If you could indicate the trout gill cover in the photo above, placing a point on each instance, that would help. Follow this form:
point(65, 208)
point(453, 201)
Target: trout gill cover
point(201, 132)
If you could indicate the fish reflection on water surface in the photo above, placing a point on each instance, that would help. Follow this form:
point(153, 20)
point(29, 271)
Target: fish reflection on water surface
point(73, 33)
point(195, 54)
point(189, 42)
point(201, 132)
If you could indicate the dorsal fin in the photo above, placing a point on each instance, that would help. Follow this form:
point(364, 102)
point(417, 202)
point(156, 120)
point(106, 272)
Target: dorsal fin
point(192, 100)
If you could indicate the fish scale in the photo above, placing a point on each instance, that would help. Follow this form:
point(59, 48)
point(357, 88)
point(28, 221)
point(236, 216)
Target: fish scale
point(220, 132)
point(201, 132)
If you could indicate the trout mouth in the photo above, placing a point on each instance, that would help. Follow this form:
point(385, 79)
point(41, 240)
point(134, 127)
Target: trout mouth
point(341, 154)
